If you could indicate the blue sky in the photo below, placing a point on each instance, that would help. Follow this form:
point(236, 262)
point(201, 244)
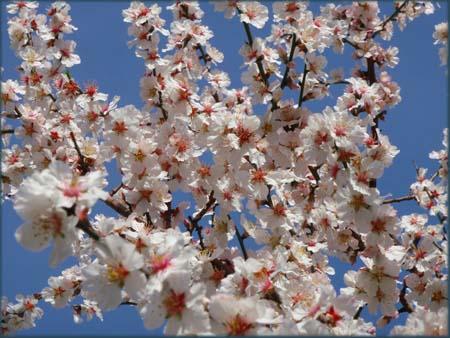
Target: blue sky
point(414, 126)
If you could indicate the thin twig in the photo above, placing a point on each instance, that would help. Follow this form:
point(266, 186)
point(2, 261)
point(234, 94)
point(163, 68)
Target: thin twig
point(115, 190)
point(83, 165)
point(196, 219)
point(16, 109)
point(392, 17)
point(302, 86)
point(259, 64)
point(371, 75)
point(405, 305)
point(241, 242)
point(291, 56)
point(209, 204)
point(354, 45)
point(358, 312)
point(399, 199)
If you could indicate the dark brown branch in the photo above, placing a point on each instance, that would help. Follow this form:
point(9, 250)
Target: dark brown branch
point(196, 219)
point(405, 305)
point(198, 228)
point(7, 131)
point(167, 215)
point(16, 109)
point(259, 64)
point(358, 312)
point(115, 190)
point(302, 85)
point(371, 76)
point(209, 204)
point(438, 247)
point(83, 165)
point(333, 83)
point(314, 172)
point(160, 103)
point(392, 17)
point(52, 97)
point(160, 106)
point(241, 242)
point(399, 199)
point(291, 56)
point(120, 207)
point(436, 174)
point(345, 40)
point(203, 55)
point(85, 225)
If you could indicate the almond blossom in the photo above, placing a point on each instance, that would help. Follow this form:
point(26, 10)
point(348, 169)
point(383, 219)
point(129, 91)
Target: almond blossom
point(230, 206)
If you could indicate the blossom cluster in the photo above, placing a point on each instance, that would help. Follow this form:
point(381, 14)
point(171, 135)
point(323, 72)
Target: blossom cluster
point(441, 37)
point(276, 188)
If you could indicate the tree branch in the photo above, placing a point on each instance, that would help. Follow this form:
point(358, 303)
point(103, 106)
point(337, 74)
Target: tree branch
point(205, 209)
point(403, 301)
point(83, 165)
point(392, 17)
point(358, 312)
point(120, 207)
point(399, 199)
point(116, 189)
point(85, 225)
point(194, 220)
point(259, 64)
point(302, 85)
point(291, 56)
point(241, 242)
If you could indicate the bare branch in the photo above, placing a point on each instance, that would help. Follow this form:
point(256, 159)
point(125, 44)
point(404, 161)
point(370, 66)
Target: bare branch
point(241, 242)
point(116, 189)
point(302, 85)
point(358, 312)
point(83, 165)
point(196, 219)
point(399, 199)
point(118, 206)
point(85, 225)
point(291, 56)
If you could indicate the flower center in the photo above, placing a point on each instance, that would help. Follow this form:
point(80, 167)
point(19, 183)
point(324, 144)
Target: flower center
point(332, 316)
point(73, 190)
point(159, 263)
point(238, 326)
point(243, 134)
point(291, 7)
point(437, 296)
point(378, 225)
point(139, 155)
point(321, 137)
point(119, 127)
point(59, 291)
point(279, 210)
point(204, 171)
point(174, 303)
point(357, 202)
point(258, 175)
point(117, 274)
